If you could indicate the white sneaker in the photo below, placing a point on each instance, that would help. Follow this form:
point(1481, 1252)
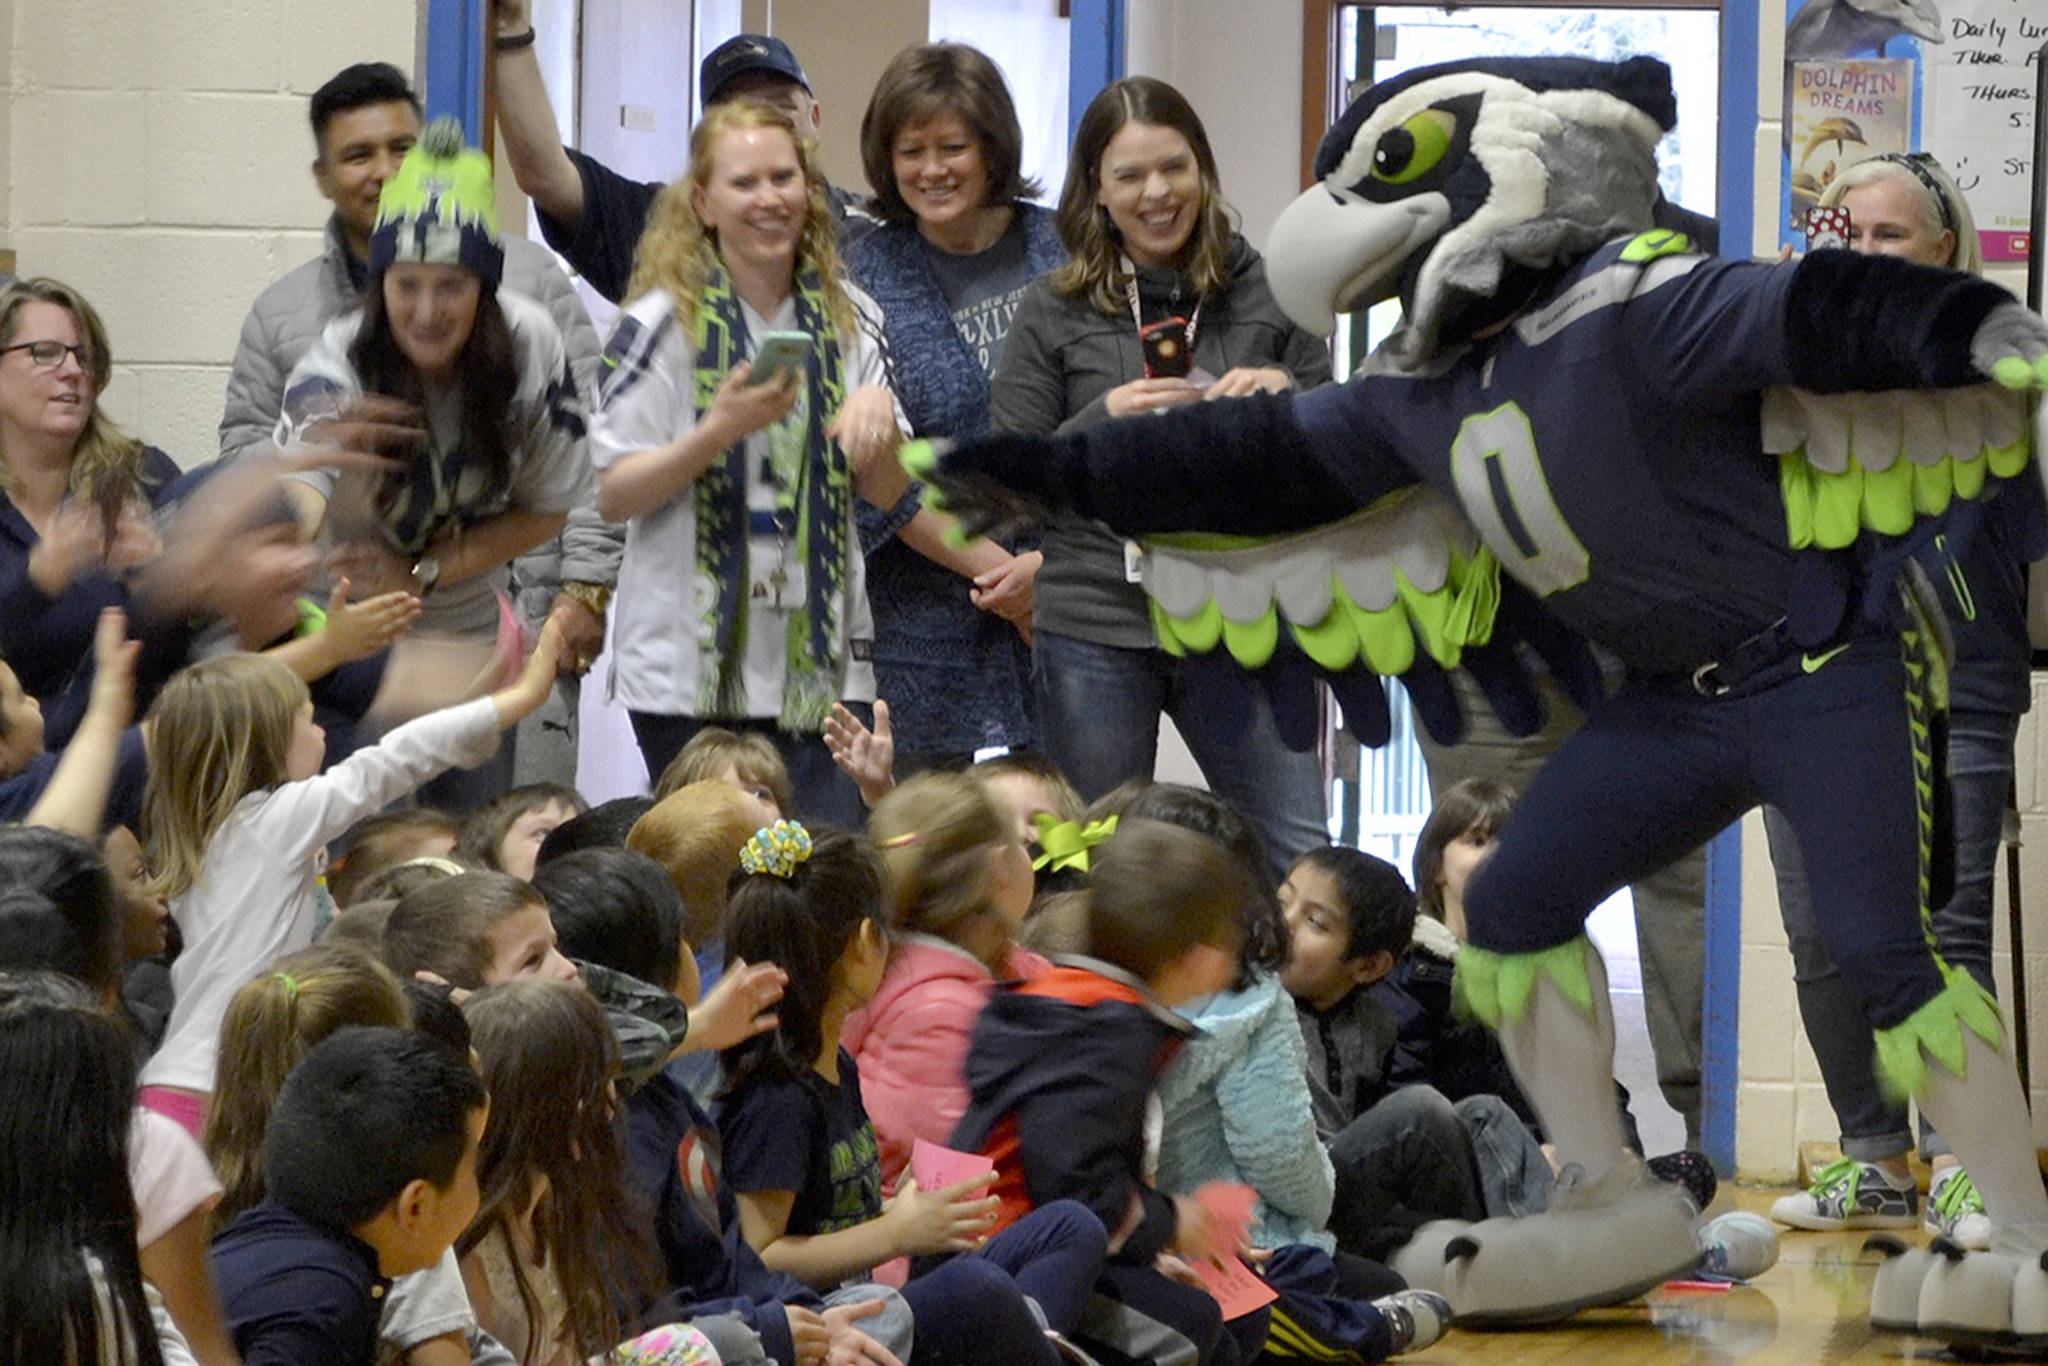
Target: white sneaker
point(1848, 1193)
point(1738, 1246)
point(1956, 1211)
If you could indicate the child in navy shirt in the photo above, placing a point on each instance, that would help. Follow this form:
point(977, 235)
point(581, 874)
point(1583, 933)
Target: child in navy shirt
point(370, 1169)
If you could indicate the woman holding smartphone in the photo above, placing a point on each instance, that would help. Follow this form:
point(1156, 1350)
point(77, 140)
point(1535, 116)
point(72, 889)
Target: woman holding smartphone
point(1161, 303)
point(740, 411)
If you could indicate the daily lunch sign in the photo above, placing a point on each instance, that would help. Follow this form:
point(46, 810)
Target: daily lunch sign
point(1979, 111)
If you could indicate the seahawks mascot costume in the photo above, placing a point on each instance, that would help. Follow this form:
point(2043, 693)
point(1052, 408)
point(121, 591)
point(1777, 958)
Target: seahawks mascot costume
point(1633, 432)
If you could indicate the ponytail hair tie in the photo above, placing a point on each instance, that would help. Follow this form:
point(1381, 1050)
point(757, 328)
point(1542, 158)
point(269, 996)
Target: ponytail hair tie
point(291, 987)
point(776, 849)
point(1065, 844)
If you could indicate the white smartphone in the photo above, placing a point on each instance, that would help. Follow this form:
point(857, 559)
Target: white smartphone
point(779, 354)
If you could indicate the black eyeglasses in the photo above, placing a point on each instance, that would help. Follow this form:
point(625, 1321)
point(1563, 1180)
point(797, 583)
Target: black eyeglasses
point(48, 355)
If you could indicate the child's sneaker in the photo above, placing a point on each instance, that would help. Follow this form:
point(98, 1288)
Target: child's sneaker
point(1415, 1319)
point(1689, 1170)
point(1955, 1210)
point(1737, 1246)
point(1848, 1193)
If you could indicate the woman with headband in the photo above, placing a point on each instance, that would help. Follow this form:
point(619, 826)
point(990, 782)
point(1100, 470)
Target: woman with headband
point(1908, 206)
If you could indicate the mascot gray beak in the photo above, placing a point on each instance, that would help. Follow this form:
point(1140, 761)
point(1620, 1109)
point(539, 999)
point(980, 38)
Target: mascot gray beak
point(1331, 254)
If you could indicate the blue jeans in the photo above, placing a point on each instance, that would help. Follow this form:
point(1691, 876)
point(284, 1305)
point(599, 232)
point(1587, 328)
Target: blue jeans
point(1408, 1159)
point(1099, 708)
point(1980, 768)
point(1514, 1176)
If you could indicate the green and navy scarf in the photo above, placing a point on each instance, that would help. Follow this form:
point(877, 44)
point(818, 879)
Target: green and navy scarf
point(813, 502)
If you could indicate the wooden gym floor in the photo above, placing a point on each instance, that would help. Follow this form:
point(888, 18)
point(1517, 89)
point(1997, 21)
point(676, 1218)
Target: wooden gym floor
point(1813, 1306)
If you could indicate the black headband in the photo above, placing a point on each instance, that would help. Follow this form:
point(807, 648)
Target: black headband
point(1918, 163)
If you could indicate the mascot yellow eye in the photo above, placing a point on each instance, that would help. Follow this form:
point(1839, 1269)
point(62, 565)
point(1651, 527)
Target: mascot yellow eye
point(1413, 150)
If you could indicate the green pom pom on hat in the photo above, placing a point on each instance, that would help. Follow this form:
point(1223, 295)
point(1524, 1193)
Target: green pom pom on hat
point(440, 209)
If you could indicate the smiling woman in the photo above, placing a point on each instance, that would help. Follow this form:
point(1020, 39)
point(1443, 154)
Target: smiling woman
point(1162, 304)
point(959, 244)
point(464, 385)
point(741, 600)
point(78, 491)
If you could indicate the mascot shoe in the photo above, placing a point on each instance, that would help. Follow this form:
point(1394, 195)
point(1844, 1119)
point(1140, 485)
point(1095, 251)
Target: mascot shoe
point(1600, 1242)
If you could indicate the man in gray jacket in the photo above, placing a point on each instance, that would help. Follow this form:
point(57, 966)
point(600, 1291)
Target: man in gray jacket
point(364, 120)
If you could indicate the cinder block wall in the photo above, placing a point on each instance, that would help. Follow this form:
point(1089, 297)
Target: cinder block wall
point(156, 158)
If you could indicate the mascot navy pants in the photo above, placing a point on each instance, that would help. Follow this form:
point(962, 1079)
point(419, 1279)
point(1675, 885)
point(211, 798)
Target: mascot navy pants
point(1659, 768)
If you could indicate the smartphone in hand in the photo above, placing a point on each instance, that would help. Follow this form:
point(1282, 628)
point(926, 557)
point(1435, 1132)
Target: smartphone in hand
point(1828, 228)
point(780, 354)
point(1166, 349)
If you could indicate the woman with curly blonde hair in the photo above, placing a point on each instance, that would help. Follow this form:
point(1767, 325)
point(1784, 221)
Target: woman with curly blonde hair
point(75, 490)
point(742, 600)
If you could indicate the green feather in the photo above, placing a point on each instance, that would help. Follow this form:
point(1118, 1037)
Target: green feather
point(1936, 1030)
point(1251, 643)
point(1492, 987)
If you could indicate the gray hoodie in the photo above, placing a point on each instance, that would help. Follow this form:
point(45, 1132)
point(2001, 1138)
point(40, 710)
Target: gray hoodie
point(1063, 357)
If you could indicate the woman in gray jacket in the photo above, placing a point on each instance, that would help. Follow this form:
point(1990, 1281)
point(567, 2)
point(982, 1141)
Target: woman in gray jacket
point(1162, 303)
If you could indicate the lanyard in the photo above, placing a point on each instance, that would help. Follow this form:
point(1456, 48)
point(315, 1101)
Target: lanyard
point(1138, 318)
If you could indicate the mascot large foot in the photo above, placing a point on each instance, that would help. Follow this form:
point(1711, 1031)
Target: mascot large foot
point(1951, 1054)
point(1994, 1300)
point(1605, 1238)
point(1600, 1242)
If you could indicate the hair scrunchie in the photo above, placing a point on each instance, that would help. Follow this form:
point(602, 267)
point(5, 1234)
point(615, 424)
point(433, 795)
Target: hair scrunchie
point(776, 849)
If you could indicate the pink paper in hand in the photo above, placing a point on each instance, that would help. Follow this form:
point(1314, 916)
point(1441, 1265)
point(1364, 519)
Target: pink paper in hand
point(1236, 1288)
point(1230, 1204)
point(935, 1168)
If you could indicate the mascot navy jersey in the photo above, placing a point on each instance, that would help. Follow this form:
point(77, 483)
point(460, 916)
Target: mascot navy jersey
point(1605, 446)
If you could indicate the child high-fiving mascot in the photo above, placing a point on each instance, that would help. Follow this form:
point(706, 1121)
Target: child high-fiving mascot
point(1615, 420)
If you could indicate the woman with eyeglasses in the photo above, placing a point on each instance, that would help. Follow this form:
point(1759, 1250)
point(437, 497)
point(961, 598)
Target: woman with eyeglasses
point(76, 515)
point(1908, 206)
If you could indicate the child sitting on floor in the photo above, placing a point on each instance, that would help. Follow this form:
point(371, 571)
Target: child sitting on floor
point(382, 842)
point(551, 1241)
point(475, 930)
point(1402, 1157)
point(505, 835)
point(748, 760)
point(239, 816)
point(1062, 1067)
point(959, 887)
point(73, 1289)
point(801, 1155)
point(618, 909)
point(370, 1173)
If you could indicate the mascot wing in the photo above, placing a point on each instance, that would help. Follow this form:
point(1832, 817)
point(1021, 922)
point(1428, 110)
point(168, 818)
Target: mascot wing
point(1403, 588)
point(1851, 463)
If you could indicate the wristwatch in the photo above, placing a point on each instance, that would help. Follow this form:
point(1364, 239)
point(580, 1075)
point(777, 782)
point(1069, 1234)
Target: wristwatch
point(426, 573)
point(594, 596)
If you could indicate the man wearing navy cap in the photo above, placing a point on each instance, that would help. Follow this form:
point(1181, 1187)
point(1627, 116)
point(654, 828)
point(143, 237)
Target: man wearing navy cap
point(589, 212)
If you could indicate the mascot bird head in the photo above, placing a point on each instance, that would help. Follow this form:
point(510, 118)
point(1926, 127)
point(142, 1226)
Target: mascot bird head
point(1461, 186)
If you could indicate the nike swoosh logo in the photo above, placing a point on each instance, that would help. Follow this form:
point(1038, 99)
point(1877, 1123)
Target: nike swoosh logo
point(1812, 663)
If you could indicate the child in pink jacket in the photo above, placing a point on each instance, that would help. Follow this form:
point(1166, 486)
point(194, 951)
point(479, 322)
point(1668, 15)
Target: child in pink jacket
point(960, 884)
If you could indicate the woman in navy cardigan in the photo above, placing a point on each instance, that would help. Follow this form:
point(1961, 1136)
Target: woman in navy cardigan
point(942, 148)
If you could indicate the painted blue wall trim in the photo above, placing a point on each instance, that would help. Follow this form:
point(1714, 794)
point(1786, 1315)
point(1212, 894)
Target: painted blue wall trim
point(1095, 53)
point(1739, 116)
point(1721, 1026)
point(453, 82)
point(1720, 1029)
